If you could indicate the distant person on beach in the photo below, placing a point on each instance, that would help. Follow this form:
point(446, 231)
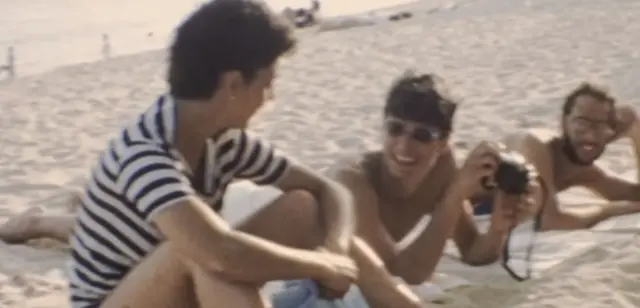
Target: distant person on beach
point(303, 17)
point(10, 67)
point(106, 46)
point(591, 119)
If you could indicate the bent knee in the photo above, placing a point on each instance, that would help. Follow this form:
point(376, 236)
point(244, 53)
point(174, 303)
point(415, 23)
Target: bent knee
point(177, 264)
point(302, 212)
point(173, 261)
point(303, 197)
point(301, 205)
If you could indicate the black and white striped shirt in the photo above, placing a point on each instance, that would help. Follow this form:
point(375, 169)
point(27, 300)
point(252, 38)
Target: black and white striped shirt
point(139, 175)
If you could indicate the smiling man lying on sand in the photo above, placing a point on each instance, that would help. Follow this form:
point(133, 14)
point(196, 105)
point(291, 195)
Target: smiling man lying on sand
point(590, 121)
point(415, 174)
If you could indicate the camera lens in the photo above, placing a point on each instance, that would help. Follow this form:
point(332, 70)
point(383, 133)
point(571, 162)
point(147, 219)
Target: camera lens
point(512, 175)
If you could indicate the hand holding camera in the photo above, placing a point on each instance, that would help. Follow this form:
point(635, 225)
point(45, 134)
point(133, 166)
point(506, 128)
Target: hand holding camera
point(494, 167)
point(511, 179)
point(481, 163)
point(512, 175)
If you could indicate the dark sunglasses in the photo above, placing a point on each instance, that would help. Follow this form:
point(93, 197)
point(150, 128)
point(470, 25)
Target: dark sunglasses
point(600, 128)
point(421, 134)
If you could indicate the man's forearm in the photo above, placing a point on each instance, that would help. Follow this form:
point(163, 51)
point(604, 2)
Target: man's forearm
point(378, 286)
point(575, 221)
point(336, 205)
point(247, 258)
point(417, 261)
point(486, 248)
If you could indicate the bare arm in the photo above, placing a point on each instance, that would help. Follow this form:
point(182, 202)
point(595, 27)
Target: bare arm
point(159, 191)
point(622, 194)
point(264, 166)
point(416, 262)
point(552, 217)
point(372, 246)
point(378, 286)
point(204, 237)
point(477, 248)
point(628, 125)
point(484, 248)
point(614, 188)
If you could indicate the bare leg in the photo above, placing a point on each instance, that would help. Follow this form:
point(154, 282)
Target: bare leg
point(299, 212)
point(292, 220)
point(33, 224)
point(166, 279)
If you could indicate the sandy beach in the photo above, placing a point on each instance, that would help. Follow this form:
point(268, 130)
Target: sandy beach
point(511, 63)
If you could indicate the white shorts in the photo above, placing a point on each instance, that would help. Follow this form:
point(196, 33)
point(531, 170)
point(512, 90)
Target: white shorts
point(243, 199)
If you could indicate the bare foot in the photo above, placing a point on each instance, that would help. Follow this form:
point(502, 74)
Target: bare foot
point(75, 200)
point(22, 227)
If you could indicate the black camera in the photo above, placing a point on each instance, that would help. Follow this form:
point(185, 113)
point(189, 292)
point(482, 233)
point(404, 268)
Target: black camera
point(513, 174)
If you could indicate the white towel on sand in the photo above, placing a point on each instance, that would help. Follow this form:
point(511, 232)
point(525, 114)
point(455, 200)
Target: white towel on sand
point(551, 248)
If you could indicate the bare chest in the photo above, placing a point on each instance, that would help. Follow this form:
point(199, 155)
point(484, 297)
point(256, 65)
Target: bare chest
point(567, 176)
point(401, 216)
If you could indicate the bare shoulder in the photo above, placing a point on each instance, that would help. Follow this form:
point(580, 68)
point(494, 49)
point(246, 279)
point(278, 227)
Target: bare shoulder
point(444, 170)
point(446, 161)
point(530, 138)
point(346, 167)
point(351, 171)
point(535, 144)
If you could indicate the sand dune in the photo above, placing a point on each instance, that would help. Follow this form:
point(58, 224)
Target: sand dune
point(510, 61)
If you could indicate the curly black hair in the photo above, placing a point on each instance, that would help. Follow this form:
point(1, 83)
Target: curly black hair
point(600, 93)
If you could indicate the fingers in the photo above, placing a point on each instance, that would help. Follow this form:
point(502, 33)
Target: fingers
point(515, 209)
point(483, 161)
point(626, 113)
point(343, 273)
point(348, 267)
point(487, 161)
point(532, 171)
point(328, 293)
point(526, 208)
point(488, 148)
point(485, 166)
point(625, 117)
point(492, 145)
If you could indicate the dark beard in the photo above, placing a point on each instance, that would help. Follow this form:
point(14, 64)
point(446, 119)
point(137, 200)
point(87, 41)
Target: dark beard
point(570, 151)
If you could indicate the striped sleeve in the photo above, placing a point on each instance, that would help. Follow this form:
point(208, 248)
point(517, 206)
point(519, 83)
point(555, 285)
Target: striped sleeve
point(259, 162)
point(150, 180)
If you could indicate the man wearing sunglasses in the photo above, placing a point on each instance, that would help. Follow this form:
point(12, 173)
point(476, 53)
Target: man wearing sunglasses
point(590, 121)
